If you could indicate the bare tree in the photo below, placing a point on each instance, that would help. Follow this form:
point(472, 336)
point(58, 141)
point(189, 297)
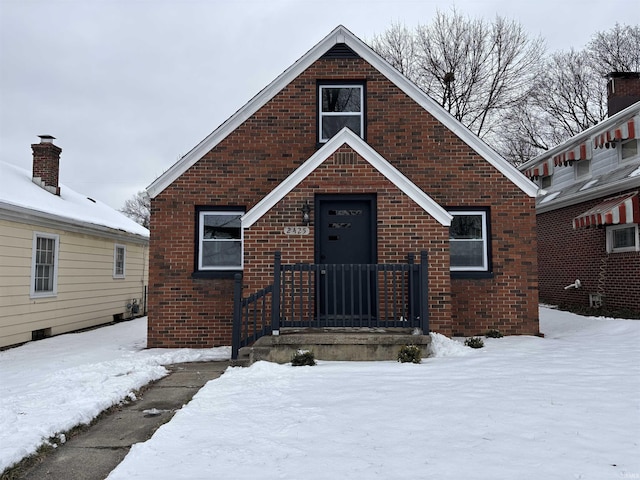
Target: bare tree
point(476, 70)
point(617, 50)
point(498, 82)
point(138, 208)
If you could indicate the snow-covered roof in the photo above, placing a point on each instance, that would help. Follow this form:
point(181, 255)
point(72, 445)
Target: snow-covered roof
point(20, 198)
point(341, 35)
point(347, 137)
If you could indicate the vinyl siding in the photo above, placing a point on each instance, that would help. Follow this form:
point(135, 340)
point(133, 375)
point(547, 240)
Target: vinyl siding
point(87, 293)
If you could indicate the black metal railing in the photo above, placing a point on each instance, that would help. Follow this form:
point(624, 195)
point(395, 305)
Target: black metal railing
point(333, 295)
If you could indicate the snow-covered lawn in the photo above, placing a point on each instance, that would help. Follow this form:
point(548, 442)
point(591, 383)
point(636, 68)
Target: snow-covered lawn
point(566, 406)
point(52, 385)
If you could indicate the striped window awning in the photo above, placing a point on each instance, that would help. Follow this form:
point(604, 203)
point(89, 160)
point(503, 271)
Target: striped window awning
point(540, 170)
point(624, 131)
point(613, 211)
point(577, 153)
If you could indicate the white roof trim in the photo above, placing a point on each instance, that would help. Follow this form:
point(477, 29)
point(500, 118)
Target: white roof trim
point(346, 136)
point(341, 35)
point(632, 111)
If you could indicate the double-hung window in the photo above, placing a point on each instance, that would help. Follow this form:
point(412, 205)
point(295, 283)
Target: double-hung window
point(44, 265)
point(469, 241)
point(219, 240)
point(119, 260)
point(340, 105)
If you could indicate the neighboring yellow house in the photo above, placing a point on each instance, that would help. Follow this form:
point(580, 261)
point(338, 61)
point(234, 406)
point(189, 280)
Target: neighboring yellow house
point(67, 261)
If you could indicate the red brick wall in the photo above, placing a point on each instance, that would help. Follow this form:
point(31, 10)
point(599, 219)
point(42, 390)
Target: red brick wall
point(566, 254)
point(46, 163)
point(266, 148)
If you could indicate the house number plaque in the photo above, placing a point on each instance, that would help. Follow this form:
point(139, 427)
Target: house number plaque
point(296, 230)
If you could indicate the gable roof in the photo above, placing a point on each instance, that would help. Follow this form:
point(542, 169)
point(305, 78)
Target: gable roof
point(347, 137)
point(341, 35)
point(22, 200)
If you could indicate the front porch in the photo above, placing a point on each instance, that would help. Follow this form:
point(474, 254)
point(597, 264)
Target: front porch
point(338, 311)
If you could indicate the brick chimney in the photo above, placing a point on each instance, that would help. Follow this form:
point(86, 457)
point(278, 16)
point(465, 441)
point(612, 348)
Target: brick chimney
point(46, 164)
point(623, 90)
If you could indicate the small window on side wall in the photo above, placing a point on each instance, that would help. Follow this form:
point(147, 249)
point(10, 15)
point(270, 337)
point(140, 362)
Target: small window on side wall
point(44, 265)
point(219, 240)
point(628, 150)
point(340, 106)
point(119, 261)
point(623, 238)
point(582, 168)
point(469, 241)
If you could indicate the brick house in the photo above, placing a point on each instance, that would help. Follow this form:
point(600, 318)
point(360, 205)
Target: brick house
point(284, 174)
point(588, 210)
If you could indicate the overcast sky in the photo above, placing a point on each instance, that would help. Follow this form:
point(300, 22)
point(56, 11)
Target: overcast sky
point(129, 86)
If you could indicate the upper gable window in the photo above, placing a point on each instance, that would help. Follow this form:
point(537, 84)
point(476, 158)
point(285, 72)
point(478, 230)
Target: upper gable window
point(340, 105)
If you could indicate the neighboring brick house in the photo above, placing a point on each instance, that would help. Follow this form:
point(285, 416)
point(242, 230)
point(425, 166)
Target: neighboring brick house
point(283, 174)
point(588, 209)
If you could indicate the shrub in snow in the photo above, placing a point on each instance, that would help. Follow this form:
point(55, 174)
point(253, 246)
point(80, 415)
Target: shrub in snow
point(410, 353)
point(474, 342)
point(302, 358)
point(493, 333)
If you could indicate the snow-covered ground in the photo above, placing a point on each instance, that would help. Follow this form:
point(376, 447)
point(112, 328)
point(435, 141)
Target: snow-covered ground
point(52, 385)
point(566, 406)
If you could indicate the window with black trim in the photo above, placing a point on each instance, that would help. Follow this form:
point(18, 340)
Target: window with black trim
point(339, 106)
point(219, 241)
point(469, 241)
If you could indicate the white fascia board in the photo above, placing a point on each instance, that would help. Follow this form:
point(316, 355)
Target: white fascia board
point(251, 107)
point(346, 136)
point(342, 35)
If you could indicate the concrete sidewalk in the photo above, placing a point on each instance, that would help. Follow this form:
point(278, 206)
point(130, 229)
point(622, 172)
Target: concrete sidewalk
point(96, 451)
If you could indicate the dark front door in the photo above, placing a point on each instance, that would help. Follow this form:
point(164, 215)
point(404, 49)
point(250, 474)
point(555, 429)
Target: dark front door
point(346, 239)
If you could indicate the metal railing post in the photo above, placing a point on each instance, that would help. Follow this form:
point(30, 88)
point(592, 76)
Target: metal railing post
point(276, 295)
point(424, 293)
point(237, 316)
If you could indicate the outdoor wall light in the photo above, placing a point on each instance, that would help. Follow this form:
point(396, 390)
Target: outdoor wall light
point(306, 210)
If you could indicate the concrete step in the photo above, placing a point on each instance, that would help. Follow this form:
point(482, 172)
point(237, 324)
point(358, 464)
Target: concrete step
point(337, 346)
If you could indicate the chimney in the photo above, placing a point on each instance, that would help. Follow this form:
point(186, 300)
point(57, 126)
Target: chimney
point(623, 90)
point(46, 163)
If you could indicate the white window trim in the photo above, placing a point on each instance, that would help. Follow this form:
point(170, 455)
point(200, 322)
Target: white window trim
point(32, 289)
point(115, 261)
point(323, 114)
point(612, 228)
point(201, 239)
point(575, 169)
point(632, 157)
point(485, 240)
